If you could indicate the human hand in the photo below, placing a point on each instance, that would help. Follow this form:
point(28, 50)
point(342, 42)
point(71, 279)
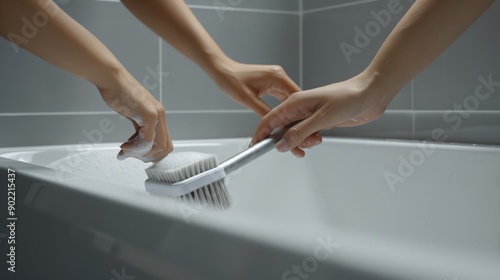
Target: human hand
point(151, 141)
point(349, 103)
point(247, 83)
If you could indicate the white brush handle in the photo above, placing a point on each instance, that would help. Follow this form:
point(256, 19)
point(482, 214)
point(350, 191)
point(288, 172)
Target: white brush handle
point(248, 155)
point(253, 152)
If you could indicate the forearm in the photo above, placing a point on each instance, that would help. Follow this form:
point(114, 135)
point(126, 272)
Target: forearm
point(59, 40)
point(427, 29)
point(175, 23)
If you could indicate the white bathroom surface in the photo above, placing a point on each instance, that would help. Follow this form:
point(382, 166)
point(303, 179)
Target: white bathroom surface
point(401, 210)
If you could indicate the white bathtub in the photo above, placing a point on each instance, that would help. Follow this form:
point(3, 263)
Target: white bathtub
point(387, 209)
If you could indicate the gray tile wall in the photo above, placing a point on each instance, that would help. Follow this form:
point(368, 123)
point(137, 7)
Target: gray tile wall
point(43, 105)
point(440, 100)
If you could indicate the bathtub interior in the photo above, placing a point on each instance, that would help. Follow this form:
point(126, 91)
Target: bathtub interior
point(444, 215)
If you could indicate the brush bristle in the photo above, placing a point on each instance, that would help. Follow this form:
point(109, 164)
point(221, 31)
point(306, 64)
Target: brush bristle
point(182, 165)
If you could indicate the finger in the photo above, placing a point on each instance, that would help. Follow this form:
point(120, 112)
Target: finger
point(276, 93)
point(142, 143)
point(280, 116)
point(137, 148)
point(130, 140)
point(136, 127)
point(160, 139)
point(147, 130)
point(298, 152)
point(283, 87)
point(128, 143)
point(169, 145)
point(288, 85)
point(311, 141)
point(257, 105)
point(160, 155)
point(298, 133)
point(162, 144)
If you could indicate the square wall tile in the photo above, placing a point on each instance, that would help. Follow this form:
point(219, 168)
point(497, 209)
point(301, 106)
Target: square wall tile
point(247, 37)
point(394, 125)
point(64, 129)
point(334, 49)
point(206, 125)
point(36, 86)
point(459, 127)
point(455, 75)
point(29, 84)
point(282, 5)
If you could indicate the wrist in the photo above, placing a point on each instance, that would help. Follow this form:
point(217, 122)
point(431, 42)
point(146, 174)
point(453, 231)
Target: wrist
point(378, 91)
point(218, 65)
point(107, 76)
point(114, 77)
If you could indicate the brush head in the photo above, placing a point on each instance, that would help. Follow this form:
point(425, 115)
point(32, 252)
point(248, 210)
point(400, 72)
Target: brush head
point(183, 165)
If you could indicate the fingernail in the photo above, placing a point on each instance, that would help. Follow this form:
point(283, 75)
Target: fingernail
point(121, 156)
point(316, 143)
point(282, 146)
point(297, 155)
point(276, 129)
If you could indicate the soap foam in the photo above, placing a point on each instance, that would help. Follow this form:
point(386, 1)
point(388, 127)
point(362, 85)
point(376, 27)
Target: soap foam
point(139, 149)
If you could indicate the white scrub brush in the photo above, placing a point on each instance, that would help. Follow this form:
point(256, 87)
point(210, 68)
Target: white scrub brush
point(167, 175)
point(197, 178)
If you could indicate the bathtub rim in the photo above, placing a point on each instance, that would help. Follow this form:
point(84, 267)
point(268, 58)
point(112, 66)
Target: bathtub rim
point(208, 142)
point(41, 173)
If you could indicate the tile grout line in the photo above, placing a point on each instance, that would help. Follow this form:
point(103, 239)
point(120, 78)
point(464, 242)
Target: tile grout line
point(412, 106)
point(270, 11)
point(83, 113)
point(205, 7)
point(441, 111)
point(338, 6)
point(160, 70)
point(89, 113)
point(240, 111)
point(248, 10)
point(301, 44)
point(456, 111)
point(37, 114)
